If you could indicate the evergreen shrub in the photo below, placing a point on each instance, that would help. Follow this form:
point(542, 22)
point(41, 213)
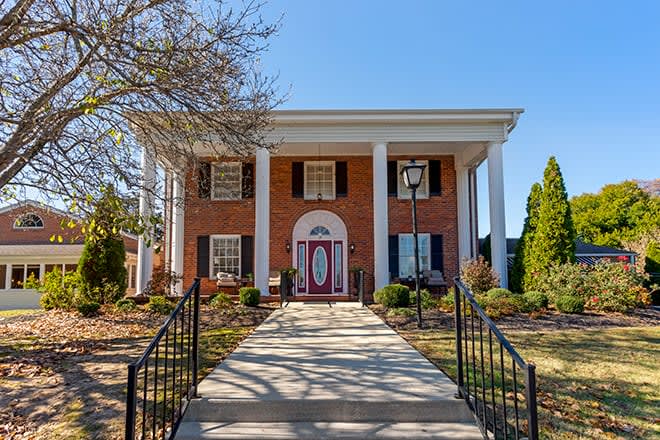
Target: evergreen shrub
point(393, 295)
point(249, 296)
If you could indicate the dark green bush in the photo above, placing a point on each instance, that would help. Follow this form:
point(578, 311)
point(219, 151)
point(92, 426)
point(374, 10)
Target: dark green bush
point(88, 309)
point(221, 301)
point(102, 271)
point(105, 294)
point(249, 296)
point(58, 291)
point(536, 300)
point(428, 302)
point(501, 302)
point(570, 304)
point(393, 295)
point(498, 292)
point(160, 305)
point(125, 305)
point(401, 311)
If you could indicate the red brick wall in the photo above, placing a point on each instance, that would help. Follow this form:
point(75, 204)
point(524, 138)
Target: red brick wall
point(436, 215)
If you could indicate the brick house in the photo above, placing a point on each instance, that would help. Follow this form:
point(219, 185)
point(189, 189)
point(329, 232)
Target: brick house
point(26, 248)
point(330, 198)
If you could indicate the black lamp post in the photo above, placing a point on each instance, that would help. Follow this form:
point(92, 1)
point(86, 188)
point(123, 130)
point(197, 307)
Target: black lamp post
point(412, 176)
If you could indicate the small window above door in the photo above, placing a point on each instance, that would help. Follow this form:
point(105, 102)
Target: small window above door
point(319, 231)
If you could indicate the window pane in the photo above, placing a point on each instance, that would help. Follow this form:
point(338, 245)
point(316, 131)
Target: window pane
point(227, 181)
point(301, 265)
point(226, 255)
point(407, 254)
point(319, 179)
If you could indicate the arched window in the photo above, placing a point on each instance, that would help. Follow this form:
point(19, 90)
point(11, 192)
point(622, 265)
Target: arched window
point(29, 221)
point(319, 231)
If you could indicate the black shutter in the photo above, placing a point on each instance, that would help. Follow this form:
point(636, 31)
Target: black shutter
point(204, 180)
point(436, 252)
point(203, 256)
point(298, 179)
point(341, 179)
point(394, 255)
point(392, 178)
point(435, 179)
point(247, 254)
point(247, 189)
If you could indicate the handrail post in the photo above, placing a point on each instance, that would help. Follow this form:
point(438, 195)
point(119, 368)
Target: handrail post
point(131, 404)
point(530, 397)
point(195, 350)
point(459, 339)
point(361, 287)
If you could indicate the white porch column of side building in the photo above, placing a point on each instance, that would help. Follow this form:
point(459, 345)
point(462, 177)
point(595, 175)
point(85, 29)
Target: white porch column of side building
point(145, 253)
point(496, 208)
point(262, 221)
point(178, 198)
point(381, 256)
point(463, 211)
point(8, 277)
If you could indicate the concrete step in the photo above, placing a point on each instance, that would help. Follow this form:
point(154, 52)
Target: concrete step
point(327, 430)
point(311, 410)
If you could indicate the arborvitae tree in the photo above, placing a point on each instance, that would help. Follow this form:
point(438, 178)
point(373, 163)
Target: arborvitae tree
point(554, 238)
point(101, 266)
point(518, 271)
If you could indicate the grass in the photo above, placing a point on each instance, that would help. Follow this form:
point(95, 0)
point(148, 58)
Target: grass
point(19, 312)
point(591, 384)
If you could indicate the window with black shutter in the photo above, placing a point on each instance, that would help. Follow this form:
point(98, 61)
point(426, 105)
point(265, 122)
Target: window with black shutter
point(247, 190)
point(436, 252)
point(203, 249)
point(341, 179)
point(393, 247)
point(392, 178)
point(435, 178)
point(298, 179)
point(204, 180)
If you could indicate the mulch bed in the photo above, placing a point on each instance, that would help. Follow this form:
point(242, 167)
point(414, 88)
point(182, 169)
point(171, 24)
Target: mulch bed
point(434, 319)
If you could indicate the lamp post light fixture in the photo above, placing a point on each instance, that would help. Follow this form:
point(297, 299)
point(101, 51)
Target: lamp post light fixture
point(412, 173)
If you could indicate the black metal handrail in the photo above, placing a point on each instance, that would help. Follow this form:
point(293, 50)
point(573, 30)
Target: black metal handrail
point(167, 387)
point(489, 385)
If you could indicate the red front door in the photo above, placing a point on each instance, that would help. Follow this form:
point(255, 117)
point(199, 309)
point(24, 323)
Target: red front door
point(319, 266)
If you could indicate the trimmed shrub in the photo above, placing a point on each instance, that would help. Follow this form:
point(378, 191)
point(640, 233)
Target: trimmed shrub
point(102, 272)
point(104, 294)
point(249, 296)
point(401, 311)
point(58, 291)
point(160, 305)
point(478, 276)
point(498, 292)
point(570, 304)
point(125, 305)
point(536, 300)
point(221, 301)
point(428, 301)
point(393, 295)
point(500, 302)
point(88, 309)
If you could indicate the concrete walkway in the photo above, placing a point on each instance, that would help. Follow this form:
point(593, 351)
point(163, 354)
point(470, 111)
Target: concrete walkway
point(320, 371)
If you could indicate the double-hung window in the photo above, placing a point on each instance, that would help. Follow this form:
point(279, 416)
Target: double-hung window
point(407, 254)
point(225, 254)
point(320, 180)
point(226, 178)
point(422, 190)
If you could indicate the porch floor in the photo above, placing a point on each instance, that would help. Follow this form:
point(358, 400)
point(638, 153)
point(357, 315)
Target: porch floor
point(331, 367)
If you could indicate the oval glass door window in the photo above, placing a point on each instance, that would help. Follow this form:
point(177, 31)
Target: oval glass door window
point(320, 266)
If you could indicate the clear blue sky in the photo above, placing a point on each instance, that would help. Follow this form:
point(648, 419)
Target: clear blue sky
point(586, 72)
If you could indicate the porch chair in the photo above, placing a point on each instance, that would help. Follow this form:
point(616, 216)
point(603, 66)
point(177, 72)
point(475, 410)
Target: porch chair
point(274, 279)
point(228, 281)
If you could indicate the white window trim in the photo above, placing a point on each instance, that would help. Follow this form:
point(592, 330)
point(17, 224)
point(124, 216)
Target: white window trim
point(420, 235)
point(212, 273)
point(213, 180)
point(402, 191)
point(334, 180)
point(29, 227)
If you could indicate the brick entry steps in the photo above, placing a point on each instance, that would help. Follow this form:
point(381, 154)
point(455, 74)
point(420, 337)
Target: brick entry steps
point(333, 371)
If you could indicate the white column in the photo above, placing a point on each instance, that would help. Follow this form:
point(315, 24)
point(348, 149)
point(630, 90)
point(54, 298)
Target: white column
point(474, 214)
point(145, 253)
point(262, 221)
point(381, 255)
point(463, 210)
point(42, 271)
point(8, 277)
point(178, 197)
point(496, 208)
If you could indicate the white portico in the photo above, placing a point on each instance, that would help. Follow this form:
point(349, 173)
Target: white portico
point(469, 136)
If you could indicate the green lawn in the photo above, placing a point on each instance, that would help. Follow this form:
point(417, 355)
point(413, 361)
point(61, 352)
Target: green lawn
point(592, 384)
